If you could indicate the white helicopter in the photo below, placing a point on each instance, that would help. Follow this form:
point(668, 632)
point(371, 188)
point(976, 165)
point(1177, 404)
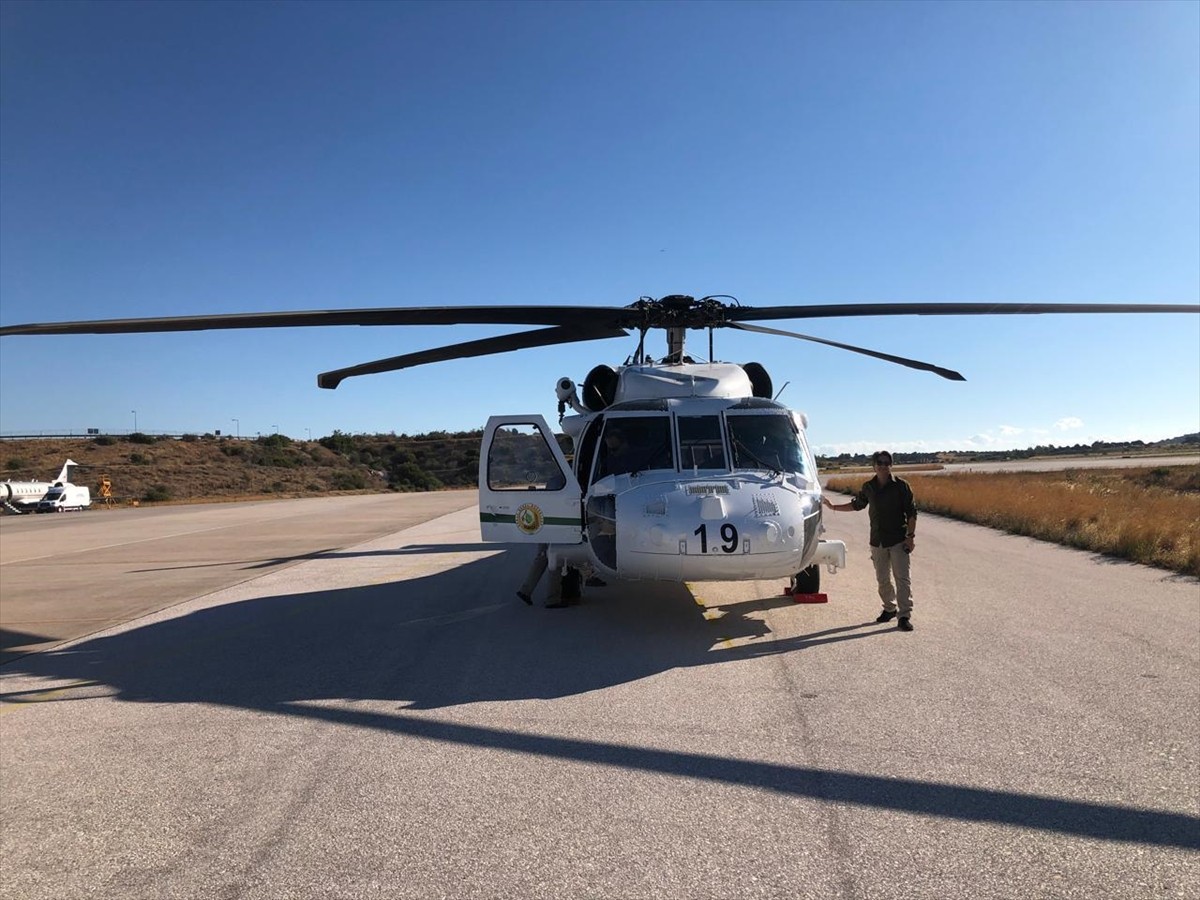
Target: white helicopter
point(682, 470)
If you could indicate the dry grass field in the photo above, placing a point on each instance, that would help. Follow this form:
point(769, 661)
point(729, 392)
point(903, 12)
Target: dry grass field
point(1150, 515)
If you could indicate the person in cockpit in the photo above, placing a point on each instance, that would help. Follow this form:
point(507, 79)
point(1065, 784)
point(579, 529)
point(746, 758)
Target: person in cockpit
point(617, 456)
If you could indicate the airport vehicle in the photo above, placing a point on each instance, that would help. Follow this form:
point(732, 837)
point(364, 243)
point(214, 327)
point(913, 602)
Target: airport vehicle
point(24, 496)
point(64, 497)
point(682, 470)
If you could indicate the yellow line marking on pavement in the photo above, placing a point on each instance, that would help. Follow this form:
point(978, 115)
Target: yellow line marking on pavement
point(40, 695)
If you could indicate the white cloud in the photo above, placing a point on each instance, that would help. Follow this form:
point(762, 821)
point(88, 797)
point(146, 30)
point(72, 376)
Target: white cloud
point(1068, 423)
point(1010, 430)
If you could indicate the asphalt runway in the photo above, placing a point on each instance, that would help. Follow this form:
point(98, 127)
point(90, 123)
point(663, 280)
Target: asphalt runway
point(69, 575)
point(385, 719)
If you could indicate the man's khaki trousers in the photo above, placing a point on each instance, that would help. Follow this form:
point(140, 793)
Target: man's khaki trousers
point(893, 562)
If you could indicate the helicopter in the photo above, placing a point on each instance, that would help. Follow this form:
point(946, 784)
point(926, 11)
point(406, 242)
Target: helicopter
point(680, 470)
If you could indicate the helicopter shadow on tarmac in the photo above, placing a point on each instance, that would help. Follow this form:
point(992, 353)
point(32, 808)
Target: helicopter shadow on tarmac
point(442, 639)
point(325, 553)
point(453, 637)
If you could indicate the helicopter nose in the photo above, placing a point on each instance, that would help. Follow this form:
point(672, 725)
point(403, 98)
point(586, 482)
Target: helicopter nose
point(713, 531)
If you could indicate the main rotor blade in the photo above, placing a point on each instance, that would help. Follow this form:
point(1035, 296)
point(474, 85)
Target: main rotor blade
point(586, 317)
point(639, 315)
point(503, 344)
point(900, 360)
point(834, 310)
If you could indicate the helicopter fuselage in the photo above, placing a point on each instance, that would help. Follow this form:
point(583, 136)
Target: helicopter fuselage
point(684, 477)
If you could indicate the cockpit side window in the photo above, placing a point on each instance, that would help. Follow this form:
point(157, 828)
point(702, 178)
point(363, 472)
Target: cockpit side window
point(587, 450)
point(700, 444)
point(765, 442)
point(635, 444)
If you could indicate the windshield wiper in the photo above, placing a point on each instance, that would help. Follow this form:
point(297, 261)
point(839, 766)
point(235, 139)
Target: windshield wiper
point(738, 443)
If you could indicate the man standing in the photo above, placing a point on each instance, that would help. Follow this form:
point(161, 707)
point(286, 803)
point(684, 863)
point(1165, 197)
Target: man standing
point(893, 530)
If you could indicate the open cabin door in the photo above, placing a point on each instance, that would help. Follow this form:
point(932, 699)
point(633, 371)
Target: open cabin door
point(527, 492)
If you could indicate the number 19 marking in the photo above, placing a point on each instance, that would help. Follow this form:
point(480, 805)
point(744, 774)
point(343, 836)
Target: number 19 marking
point(729, 537)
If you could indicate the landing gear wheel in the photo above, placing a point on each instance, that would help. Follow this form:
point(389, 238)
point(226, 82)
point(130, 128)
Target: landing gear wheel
point(808, 581)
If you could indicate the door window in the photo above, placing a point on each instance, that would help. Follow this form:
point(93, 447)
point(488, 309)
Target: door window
point(519, 459)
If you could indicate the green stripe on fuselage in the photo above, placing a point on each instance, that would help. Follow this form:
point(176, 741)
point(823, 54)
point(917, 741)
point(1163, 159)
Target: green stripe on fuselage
point(497, 518)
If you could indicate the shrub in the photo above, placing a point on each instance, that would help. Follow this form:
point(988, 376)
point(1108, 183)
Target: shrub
point(137, 437)
point(338, 443)
point(157, 493)
point(278, 460)
point(410, 477)
point(189, 438)
point(105, 440)
point(348, 481)
point(17, 462)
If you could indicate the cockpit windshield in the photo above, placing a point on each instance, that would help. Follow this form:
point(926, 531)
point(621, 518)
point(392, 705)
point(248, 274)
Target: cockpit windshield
point(700, 444)
point(765, 442)
point(635, 444)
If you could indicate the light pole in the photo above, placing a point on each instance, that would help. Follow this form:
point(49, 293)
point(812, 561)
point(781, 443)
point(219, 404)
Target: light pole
point(134, 411)
point(308, 431)
point(274, 429)
point(238, 428)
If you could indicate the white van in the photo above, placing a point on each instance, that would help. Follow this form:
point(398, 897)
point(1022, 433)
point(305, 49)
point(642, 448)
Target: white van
point(62, 497)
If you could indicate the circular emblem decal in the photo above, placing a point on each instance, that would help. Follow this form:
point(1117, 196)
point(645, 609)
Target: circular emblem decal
point(529, 518)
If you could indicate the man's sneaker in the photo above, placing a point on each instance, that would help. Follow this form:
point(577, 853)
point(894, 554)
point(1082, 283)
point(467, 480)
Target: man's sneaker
point(886, 616)
point(904, 624)
point(525, 598)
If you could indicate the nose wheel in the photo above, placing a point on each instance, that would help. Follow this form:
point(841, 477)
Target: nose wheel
point(805, 586)
point(807, 581)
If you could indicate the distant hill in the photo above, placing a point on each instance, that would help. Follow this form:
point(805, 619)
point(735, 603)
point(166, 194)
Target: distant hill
point(1182, 444)
point(196, 468)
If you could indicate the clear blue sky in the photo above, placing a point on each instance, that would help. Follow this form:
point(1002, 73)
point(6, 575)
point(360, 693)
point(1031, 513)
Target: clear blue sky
point(178, 158)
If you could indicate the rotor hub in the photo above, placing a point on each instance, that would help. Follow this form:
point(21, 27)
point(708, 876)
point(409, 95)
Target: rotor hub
point(681, 311)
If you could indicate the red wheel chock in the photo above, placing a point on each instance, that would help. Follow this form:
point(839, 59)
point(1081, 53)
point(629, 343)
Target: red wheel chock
point(806, 598)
